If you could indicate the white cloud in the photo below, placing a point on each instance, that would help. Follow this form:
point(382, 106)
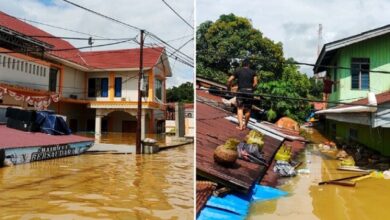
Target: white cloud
point(151, 15)
point(295, 23)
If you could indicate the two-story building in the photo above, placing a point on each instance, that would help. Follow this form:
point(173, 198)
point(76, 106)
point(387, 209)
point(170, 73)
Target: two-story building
point(95, 90)
point(360, 66)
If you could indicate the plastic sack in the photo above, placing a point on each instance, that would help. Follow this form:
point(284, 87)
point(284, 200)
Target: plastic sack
point(284, 153)
point(284, 169)
point(251, 153)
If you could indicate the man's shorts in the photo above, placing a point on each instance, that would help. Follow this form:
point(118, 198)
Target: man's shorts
point(245, 100)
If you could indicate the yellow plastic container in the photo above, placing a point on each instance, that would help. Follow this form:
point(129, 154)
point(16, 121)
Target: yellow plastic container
point(283, 154)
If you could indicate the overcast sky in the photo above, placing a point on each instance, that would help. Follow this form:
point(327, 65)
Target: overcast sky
point(151, 15)
point(295, 23)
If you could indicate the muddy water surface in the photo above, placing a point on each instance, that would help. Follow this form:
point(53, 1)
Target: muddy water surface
point(101, 186)
point(127, 138)
point(368, 200)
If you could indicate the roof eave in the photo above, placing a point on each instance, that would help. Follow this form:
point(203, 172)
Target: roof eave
point(116, 69)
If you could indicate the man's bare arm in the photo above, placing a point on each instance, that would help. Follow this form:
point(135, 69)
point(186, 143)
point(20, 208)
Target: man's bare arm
point(255, 82)
point(230, 81)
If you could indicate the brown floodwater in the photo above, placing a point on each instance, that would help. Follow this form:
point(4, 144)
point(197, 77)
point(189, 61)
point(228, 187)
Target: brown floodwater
point(127, 138)
point(101, 186)
point(367, 200)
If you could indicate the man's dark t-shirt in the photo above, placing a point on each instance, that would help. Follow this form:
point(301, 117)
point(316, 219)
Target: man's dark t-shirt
point(244, 78)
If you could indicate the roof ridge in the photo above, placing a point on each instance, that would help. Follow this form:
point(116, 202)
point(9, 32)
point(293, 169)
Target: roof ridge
point(118, 50)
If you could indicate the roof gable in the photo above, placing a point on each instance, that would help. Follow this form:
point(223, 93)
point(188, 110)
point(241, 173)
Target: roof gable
point(329, 48)
point(104, 59)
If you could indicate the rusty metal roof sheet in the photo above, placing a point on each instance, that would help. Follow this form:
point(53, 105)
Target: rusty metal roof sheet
point(212, 130)
point(204, 189)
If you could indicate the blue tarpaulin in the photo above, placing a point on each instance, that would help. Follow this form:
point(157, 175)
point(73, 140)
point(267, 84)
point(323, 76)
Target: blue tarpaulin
point(236, 205)
point(52, 124)
point(263, 193)
point(209, 213)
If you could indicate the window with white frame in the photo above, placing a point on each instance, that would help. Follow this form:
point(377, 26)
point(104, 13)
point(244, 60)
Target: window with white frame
point(97, 87)
point(360, 73)
point(145, 93)
point(159, 89)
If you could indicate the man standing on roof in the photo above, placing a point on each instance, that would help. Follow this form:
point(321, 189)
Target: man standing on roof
point(246, 81)
point(328, 83)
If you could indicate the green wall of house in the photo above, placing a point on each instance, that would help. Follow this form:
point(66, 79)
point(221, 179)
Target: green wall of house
point(374, 138)
point(378, 51)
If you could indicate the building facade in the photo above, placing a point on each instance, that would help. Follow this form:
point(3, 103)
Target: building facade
point(360, 67)
point(96, 91)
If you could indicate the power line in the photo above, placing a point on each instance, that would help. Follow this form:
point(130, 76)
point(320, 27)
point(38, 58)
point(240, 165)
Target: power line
point(304, 63)
point(174, 11)
point(57, 27)
point(168, 45)
point(282, 97)
point(172, 55)
point(102, 15)
point(126, 24)
point(71, 48)
point(180, 38)
point(78, 38)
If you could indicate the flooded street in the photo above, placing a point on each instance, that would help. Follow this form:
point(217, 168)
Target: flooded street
point(101, 186)
point(127, 138)
point(307, 200)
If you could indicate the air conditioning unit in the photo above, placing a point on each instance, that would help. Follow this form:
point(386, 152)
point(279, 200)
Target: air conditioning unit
point(73, 96)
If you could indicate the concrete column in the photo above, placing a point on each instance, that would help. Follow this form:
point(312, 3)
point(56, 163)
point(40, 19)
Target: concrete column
point(143, 124)
point(179, 119)
point(98, 125)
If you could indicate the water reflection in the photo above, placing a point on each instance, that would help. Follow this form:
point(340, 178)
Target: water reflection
point(101, 186)
point(127, 138)
point(307, 200)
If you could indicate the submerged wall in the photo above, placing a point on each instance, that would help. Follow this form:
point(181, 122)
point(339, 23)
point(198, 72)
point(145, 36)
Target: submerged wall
point(374, 138)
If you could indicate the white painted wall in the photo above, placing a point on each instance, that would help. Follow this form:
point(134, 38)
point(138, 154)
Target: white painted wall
point(74, 82)
point(129, 85)
point(11, 72)
point(189, 126)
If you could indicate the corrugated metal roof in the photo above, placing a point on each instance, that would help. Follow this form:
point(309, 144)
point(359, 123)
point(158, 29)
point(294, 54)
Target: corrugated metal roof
point(212, 130)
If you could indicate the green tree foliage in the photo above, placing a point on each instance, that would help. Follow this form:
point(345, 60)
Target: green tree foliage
point(316, 88)
point(223, 43)
point(292, 84)
point(182, 93)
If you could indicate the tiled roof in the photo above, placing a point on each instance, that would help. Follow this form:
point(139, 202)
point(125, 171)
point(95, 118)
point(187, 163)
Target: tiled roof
point(128, 58)
point(106, 59)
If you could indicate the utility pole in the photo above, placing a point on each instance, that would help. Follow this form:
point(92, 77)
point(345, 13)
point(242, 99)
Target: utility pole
point(319, 43)
point(139, 111)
